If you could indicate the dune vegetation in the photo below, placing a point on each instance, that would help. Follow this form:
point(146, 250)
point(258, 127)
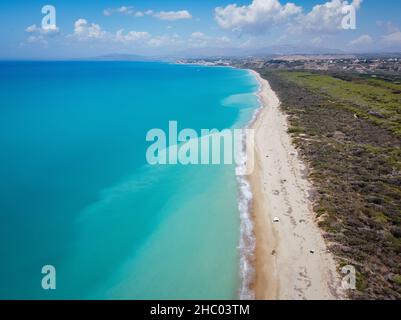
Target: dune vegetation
point(348, 129)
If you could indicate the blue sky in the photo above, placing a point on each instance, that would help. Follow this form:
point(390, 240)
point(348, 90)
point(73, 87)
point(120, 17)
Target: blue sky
point(178, 27)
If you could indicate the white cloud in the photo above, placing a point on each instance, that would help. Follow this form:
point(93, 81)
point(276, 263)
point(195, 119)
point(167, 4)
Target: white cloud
point(224, 39)
point(392, 39)
point(40, 35)
point(256, 17)
point(363, 40)
point(317, 41)
point(162, 15)
point(94, 33)
point(392, 34)
point(122, 10)
point(32, 28)
point(200, 40)
point(107, 12)
point(173, 15)
point(326, 17)
point(37, 39)
point(84, 31)
point(126, 10)
point(198, 35)
point(49, 30)
point(388, 26)
point(173, 40)
point(259, 16)
point(131, 36)
point(160, 41)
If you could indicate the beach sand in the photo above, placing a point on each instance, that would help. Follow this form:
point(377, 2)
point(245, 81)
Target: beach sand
point(291, 258)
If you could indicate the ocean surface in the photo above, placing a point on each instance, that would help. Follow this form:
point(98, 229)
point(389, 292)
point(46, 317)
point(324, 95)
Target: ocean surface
point(76, 191)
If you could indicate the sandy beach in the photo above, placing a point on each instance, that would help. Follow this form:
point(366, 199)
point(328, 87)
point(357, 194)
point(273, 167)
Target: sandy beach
point(291, 258)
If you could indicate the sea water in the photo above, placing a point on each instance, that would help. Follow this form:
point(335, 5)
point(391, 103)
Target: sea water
point(76, 191)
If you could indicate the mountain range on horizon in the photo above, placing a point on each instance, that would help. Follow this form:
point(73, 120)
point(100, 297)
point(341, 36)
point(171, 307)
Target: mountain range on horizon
point(272, 51)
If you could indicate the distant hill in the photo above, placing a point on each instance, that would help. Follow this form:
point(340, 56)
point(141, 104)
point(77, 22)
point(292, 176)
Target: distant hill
point(125, 57)
point(262, 52)
point(284, 52)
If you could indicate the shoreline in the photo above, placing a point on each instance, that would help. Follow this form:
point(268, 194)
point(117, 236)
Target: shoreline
point(291, 260)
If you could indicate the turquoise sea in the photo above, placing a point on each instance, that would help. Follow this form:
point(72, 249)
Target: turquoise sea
point(77, 193)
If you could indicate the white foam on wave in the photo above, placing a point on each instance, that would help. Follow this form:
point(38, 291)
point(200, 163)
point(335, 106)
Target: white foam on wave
point(247, 243)
point(247, 239)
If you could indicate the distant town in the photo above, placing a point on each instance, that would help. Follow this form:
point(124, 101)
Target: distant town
point(375, 66)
